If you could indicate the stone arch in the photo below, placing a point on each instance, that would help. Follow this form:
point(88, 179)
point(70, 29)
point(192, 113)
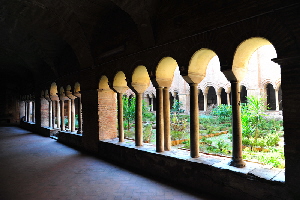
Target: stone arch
point(140, 79)
point(243, 54)
point(165, 71)
point(119, 82)
point(103, 83)
point(53, 89)
point(198, 64)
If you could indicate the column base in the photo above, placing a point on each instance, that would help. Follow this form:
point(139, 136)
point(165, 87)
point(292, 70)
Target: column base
point(239, 163)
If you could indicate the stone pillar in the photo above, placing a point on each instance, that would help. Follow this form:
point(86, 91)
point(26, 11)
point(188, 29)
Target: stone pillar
point(53, 114)
point(237, 159)
point(276, 99)
point(33, 112)
point(218, 98)
point(72, 115)
point(62, 115)
point(205, 101)
point(139, 120)
point(194, 120)
point(28, 111)
point(166, 117)
point(159, 120)
point(151, 104)
point(50, 114)
point(228, 98)
point(120, 117)
point(58, 114)
point(79, 131)
point(69, 115)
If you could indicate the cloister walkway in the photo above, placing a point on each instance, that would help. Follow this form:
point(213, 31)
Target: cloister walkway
point(39, 168)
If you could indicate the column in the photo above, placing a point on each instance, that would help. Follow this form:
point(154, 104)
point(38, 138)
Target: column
point(26, 116)
point(218, 98)
point(120, 117)
point(228, 98)
point(33, 111)
point(159, 120)
point(166, 117)
point(79, 131)
point(58, 114)
point(72, 115)
point(205, 101)
point(62, 115)
point(69, 115)
point(138, 120)
point(194, 120)
point(237, 159)
point(28, 111)
point(276, 99)
point(53, 114)
point(50, 113)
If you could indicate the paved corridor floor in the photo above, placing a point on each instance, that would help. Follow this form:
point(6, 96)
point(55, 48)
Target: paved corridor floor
point(39, 168)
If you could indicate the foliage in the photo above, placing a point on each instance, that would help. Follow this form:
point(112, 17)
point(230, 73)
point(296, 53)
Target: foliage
point(176, 107)
point(147, 134)
point(222, 112)
point(178, 127)
point(129, 111)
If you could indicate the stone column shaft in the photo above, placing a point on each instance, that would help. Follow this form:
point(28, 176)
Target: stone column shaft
point(138, 120)
point(218, 99)
point(62, 116)
point(166, 116)
point(33, 112)
point(205, 101)
point(228, 98)
point(120, 117)
point(58, 114)
point(72, 115)
point(237, 159)
point(26, 113)
point(69, 115)
point(159, 120)
point(53, 114)
point(194, 120)
point(50, 113)
point(276, 99)
point(79, 131)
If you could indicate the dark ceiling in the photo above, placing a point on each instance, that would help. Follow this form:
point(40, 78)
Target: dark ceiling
point(43, 40)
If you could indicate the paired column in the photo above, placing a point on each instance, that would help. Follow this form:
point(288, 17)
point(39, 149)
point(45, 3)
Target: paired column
point(58, 113)
point(159, 120)
point(72, 115)
point(205, 101)
point(194, 120)
point(120, 117)
point(62, 115)
point(218, 98)
point(237, 159)
point(276, 99)
point(228, 98)
point(166, 117)
point(53, 114)
point(79, 131)
point(69, 114)
point(138, 120)
point(50, 114)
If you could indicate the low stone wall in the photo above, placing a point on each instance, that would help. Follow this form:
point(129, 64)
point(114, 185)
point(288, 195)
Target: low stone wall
point(210, 174)
point(71, 139)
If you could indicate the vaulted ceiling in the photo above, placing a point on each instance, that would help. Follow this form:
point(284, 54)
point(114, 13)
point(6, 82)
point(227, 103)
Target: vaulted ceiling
point(42, 39)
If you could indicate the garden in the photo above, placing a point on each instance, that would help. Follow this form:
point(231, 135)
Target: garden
point(262, 133)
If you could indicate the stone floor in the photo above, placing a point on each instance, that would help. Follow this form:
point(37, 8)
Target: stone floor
point(39, 168)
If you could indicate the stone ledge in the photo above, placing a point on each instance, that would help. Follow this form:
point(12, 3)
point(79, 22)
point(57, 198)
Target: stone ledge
point(207, 173)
